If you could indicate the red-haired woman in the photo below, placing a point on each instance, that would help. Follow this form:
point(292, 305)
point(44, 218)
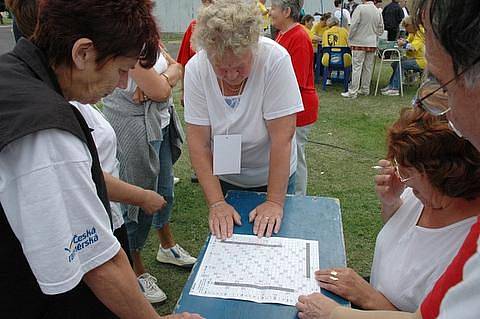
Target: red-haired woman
point(55, 223)
point(430, 193)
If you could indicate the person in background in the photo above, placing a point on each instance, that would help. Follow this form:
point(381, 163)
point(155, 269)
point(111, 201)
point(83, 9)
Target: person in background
point(293, 37)
point(185, 53)
point(428, 208)
point(150, 137)
point(2, 9)
point(351, 5)
point(343, 15)
point(403, 33)
point(320, 27)
point(392, 17)
point(335, 36)
point(27, 9)
point(69, 265)
point(367, 25)
point(415, 57)
point(266, 19)
point(307, 23)
point(242, 95)
point(379, 5)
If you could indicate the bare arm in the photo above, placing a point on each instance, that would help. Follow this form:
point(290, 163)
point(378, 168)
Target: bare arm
point(281, 132)
point(116, 286)
point(348, 313)
point(154, 85)
point(120, 191)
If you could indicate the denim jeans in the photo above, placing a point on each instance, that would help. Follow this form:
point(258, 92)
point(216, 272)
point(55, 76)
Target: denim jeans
point(230, 187)
point(409, 64)
point(138, 232)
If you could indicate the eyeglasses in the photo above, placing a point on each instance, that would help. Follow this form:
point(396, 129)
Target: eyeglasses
point(397, 172)
point(432, 96)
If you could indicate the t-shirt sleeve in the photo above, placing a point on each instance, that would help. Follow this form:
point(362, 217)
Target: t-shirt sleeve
point(51, 204)
point(299, 55)
point(196, 109)
point(282, 95)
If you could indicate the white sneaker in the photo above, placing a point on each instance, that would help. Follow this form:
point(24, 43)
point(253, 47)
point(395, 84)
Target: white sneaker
point(385, 89)
point(176, 256)
point(349, 95)
point(176, 180)
point(391, 92)
point(363, 93)
point(328, 82)
point(148, 285)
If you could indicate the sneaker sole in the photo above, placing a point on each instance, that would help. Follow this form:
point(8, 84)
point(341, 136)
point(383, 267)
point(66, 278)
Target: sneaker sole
point(159, 300)
point(186, 266)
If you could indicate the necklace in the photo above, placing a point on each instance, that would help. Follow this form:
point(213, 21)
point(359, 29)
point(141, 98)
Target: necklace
point(237, 92)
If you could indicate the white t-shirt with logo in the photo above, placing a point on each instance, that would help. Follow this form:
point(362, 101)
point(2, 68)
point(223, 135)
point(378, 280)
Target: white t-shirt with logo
point(106, 142)
point(409, 259)
point(270, 92)
point(51, 204)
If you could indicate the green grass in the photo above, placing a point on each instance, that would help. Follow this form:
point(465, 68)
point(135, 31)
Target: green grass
point(356, 125)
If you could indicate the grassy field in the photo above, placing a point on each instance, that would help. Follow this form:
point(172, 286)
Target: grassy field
point(346, 141)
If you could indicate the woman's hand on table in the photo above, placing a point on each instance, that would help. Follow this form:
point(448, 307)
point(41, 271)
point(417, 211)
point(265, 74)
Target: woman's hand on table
point(346, 283)
point(266, 218)
point(221, 218)
point(315, 306)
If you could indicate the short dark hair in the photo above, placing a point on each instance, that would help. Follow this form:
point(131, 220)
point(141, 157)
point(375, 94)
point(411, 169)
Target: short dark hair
point(456, 24)
point(25, 13)
point(307, 18)
point(336, 3)
point(116, 27)
point(426, 143)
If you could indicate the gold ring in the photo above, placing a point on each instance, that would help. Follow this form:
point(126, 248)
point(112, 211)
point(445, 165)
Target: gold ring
point(333, 278)
point(334, 273)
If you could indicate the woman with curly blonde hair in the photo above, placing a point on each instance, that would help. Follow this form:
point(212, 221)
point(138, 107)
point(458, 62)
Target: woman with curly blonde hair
point(241, 100)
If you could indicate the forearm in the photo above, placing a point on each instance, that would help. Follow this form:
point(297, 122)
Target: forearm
point(174, 73)
point(279, 171)
point(348, 313)
point(116, 286)
point(202, 162)
point(389, 209)
point(120, 191)
point(377, 301)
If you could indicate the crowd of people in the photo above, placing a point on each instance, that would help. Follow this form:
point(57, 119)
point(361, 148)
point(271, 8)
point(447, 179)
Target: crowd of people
point(80, 187)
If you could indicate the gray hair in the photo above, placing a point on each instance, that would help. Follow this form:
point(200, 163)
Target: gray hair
point(456, 24)
point(228, 25)
point(332, 21)
point(294, 5)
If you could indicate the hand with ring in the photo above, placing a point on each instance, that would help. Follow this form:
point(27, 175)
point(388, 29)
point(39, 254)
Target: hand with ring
point(346, 283)
point(266, 218)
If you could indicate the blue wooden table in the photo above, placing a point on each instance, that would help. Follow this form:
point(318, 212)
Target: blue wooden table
point(306, 217)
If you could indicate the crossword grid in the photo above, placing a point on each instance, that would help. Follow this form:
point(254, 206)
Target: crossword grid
point(273, 270)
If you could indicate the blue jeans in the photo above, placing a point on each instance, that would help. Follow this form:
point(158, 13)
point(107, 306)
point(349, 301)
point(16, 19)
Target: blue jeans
point(138, 232)
point(409, 64)
point(230, 187)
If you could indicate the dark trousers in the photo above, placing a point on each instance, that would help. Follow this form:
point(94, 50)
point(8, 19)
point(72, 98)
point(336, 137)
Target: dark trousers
point(392, 34)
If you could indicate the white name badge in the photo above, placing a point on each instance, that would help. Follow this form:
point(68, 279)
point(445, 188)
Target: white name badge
point(227, 154)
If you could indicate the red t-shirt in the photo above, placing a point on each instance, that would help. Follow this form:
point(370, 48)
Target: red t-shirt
point(453, 275)
point(186, 52)
point(299, 46)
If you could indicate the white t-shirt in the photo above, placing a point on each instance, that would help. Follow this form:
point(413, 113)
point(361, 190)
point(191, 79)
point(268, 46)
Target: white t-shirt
point(463, 300)
point(409, 259)
point(106, 141)
point(160, 66)
point(270, 92)
point(51, 204)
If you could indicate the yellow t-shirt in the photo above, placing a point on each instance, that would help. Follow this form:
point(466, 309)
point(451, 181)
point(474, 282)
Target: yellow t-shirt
point(265, 15)
point(318, 29)
point(417, 42)
point(310, 33)
point(335, 37)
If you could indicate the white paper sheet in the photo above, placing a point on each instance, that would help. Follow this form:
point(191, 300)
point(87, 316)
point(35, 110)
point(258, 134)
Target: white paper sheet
point(265, 270)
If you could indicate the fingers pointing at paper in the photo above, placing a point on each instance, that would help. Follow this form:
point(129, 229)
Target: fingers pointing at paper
point(266, 218)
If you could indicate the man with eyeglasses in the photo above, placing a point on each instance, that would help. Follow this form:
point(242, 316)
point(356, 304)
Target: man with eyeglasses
point(452, 87)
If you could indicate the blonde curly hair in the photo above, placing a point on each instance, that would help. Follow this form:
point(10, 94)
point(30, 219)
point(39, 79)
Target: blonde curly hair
point(228, 25)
